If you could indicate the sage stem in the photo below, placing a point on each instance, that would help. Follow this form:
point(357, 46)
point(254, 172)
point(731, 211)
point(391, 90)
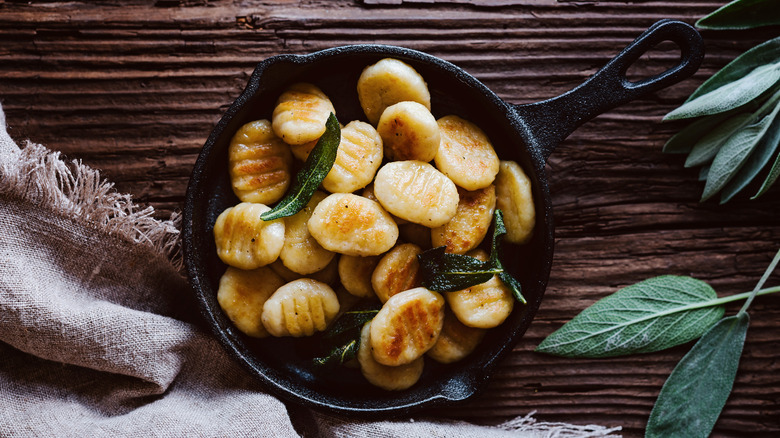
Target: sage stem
point(760, 283)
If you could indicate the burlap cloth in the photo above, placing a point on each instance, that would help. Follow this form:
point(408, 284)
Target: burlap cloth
point(98, 336)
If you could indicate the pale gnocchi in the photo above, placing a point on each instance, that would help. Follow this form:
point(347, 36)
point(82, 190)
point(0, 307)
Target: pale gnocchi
point(282, 273)
point(300, 308)
point(300, 114)
point(388, 82)
point(352, 225)
point(417, 192)
point(260, 163)
point(465, 154)
point(244, 240)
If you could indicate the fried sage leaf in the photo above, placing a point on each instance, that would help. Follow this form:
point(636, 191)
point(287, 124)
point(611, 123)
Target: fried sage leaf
point(445, 272)
point(694, 394)
point(742, 14)
point(342, 338)
point(652, 315)
point(314, 170)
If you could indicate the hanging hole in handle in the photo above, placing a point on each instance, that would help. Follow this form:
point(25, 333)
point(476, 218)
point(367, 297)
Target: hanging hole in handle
point(662, 57)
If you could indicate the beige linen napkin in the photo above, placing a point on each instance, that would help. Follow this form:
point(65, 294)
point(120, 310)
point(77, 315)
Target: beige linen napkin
point(98, 336)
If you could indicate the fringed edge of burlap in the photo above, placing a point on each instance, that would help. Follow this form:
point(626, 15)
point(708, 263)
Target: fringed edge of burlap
point(73, 189)
point(558, 430)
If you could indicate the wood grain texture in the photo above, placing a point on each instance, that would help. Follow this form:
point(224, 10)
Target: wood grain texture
point(134, 87)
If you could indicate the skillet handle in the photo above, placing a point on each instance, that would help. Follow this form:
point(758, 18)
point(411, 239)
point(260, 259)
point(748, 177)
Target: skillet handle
point(552, 120)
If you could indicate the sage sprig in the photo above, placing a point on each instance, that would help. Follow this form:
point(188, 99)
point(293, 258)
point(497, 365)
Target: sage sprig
point(342, 338)
point(314, 170)
point(445, 272)
point(742, 14)
point(735, 136)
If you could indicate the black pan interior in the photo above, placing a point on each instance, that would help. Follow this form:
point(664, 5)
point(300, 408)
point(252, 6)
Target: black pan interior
point(284, 365)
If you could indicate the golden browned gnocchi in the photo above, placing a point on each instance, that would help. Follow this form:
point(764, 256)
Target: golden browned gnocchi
point(407, 326)
point(352, 225)
point(456, 340)
point(397, 271)
point(355, 274)
point(259, 163)
point(485, 305)
point(515, 199)
point(301, 253)
point(417, 192)
point(300, 308)
point(357, 160)
point(300, 114)
point(391, 378)
point(241, 296)
point(388, 82)
point(471, 222)
point(244, 240)
point(409, 132)
point(465, 154)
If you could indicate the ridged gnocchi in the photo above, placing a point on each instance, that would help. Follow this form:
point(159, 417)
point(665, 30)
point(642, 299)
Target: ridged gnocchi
point(244, 240)
point(352, 225)
point(300, 308)
point(259, 163)
point(391, 378)
point(355, 274)
point(357, 160)
point(471, 221)
point(456, 340)
point(301, 253)
point(397, 271)
point(407, 326)
point(387, 82)
point(515, 199)
point(417, 192)
point(465, 154)
point(300, 114)
point(485, 305)
point(409, 132)
point(241, 296)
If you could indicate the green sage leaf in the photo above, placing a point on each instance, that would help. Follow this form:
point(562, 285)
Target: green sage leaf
point(731, 95)
point(762, 54)
point(314, 170)
point(774, 172)
point(445, 272)
point(694, 394)
point(734, 153)
point(704, 171)
point(339, 355)
point(342, 339)
point(765, 150)
point(742, 14)
point(651, 315)
point(708, 146)
point(683, 141)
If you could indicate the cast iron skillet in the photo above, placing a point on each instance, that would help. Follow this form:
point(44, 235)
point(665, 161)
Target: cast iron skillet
point(526, 134)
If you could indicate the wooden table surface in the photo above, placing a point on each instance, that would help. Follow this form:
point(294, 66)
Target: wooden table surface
point(134, 87)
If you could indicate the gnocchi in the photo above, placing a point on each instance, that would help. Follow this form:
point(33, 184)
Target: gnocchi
point(397, 271)
point(465, 154)
point(387, 82)
point(471, 221)
point(241, 296)
point(244, 240)
point(355, 274)
point(391, 378)
point(515, 199)
point(352, 225)
point(409, 132)
point(259, 163)
point(357, 160)
point(407, 326)
point(300, 114)
point(300, 308)
point(417, 192)
point(301, 253)
point(456, 341)
point(485, 305)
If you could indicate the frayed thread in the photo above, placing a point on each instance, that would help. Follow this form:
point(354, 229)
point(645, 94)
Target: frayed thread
point(557, 430)
point(42, 177)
